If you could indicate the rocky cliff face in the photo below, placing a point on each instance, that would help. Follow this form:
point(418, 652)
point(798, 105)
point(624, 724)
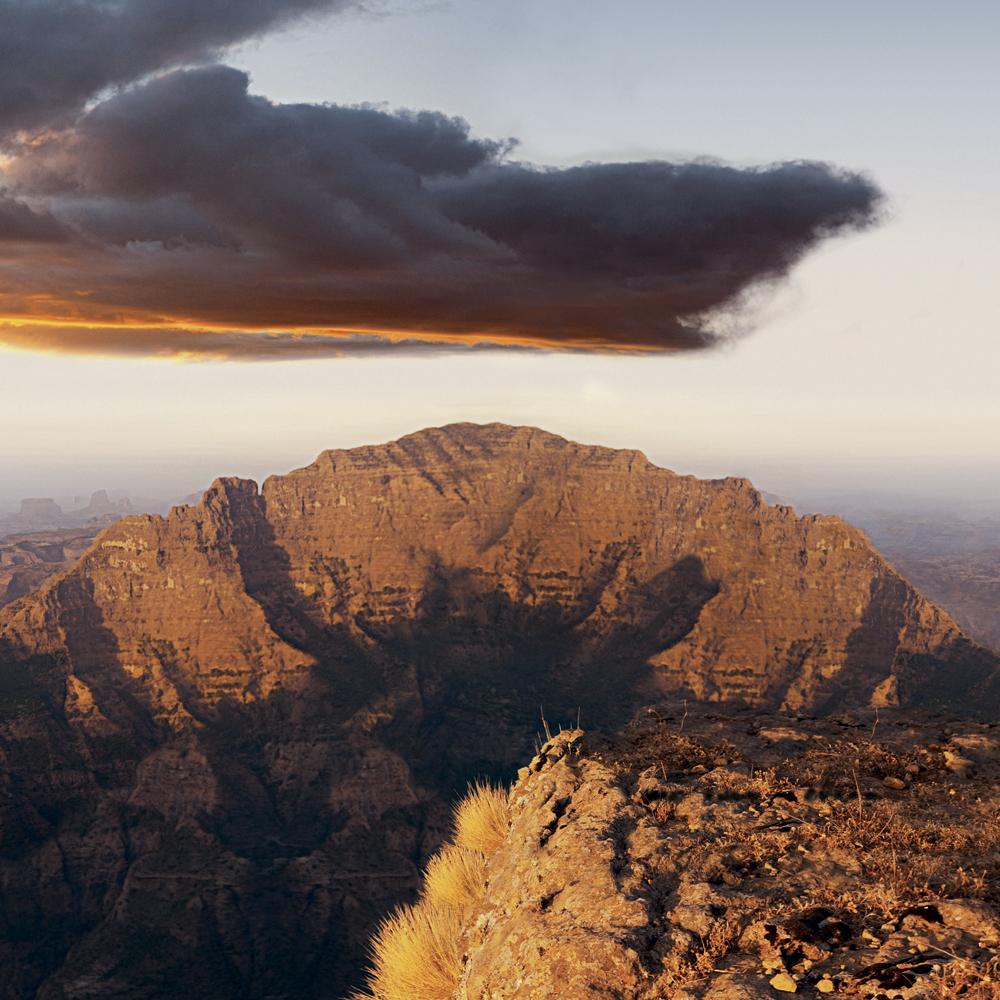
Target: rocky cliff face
point(736, 857)
point(229, 735)
point(952, 559)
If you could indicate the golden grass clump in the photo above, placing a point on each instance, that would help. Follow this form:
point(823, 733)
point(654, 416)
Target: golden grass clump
point(482, 818)
point(455, 877)
point(416, 954)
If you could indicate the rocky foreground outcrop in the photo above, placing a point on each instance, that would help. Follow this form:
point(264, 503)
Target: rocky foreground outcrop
point(742, 857)
point(229, 737)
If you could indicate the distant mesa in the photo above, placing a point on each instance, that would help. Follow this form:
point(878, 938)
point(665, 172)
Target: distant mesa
point(40, 511)
point(45, 513)
point(101, 504)
point(617, 580)
point(42, 538)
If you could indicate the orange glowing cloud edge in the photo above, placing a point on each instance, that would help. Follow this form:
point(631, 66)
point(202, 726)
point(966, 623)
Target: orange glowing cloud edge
point(22, 326)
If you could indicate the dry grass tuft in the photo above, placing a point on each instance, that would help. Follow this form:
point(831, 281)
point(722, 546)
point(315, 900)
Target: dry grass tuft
point(482, 818)
point(455, 877)
point(416, 954)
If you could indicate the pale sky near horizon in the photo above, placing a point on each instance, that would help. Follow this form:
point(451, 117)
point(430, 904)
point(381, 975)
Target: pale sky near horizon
point(876, 369)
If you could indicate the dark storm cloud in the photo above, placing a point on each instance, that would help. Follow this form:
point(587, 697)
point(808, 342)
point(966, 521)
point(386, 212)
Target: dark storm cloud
point(324, 185)
point(201, 204)
point(658, 219)
point(57, 54)
point(20, 224)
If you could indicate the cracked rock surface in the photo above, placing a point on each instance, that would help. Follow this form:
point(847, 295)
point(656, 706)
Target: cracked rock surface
point(744, 857)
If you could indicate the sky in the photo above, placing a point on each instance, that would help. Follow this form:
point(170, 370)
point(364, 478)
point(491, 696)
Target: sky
point(864, 363)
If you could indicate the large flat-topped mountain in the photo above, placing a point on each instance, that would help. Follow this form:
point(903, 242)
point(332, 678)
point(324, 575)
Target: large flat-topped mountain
point(686, 585)
point(230, 735)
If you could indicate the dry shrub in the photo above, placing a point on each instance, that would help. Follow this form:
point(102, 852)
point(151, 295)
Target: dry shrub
point(685, 967)
point(968, 980)
point(416, 954)
point(455, 877)
point(482, 818)
point(909, 853)
point(722, 938)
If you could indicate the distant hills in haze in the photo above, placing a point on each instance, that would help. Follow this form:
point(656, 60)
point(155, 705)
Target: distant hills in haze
point(45, 514)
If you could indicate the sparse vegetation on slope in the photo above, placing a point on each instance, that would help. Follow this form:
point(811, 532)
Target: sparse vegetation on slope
point(747, 856)
point(417, 951)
